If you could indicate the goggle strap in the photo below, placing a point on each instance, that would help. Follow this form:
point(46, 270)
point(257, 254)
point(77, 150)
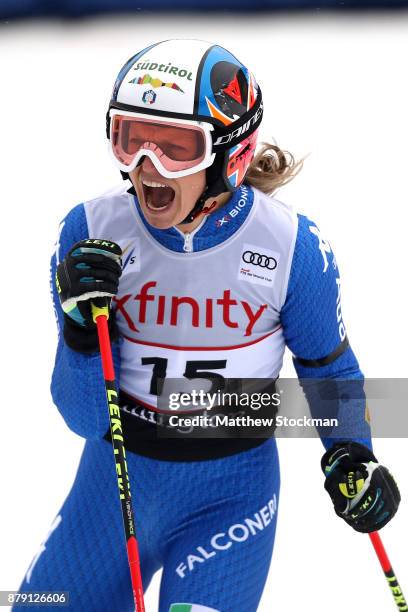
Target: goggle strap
point(228, 137)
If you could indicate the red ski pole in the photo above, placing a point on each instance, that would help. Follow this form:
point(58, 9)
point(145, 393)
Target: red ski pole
point(396, 591)
point(100, 316)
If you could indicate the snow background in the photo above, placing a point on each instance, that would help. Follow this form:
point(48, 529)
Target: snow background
point(334, 86)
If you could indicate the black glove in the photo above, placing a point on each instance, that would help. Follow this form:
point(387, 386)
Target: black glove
point(90, 271)
point(363, 492)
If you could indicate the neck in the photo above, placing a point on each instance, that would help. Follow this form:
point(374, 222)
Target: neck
point(220, 200)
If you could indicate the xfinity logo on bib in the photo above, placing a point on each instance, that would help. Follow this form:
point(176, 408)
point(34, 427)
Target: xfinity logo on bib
point(222, 541)
point(258, 265)
point(176, 310)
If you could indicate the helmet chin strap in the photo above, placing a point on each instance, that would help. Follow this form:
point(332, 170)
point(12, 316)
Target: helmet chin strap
point(198, 209)
point(215, 186)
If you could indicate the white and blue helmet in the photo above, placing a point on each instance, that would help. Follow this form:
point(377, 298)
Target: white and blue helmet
point(195, 80)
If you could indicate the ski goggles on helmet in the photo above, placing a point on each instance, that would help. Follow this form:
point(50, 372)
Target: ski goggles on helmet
point(176, 148)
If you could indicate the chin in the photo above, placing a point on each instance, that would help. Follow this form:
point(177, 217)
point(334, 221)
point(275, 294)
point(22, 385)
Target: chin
point(158, 223)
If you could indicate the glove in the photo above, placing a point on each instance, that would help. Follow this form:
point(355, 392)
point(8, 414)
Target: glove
point(363, 492)
point(91, 270)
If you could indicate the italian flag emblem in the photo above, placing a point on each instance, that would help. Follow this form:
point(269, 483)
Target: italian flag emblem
point(185, 607)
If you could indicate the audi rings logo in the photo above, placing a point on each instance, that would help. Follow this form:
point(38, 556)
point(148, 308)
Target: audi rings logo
point(257, 259)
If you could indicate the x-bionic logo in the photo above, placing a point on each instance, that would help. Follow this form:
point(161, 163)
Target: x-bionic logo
point(257, 259)
point(223, 220)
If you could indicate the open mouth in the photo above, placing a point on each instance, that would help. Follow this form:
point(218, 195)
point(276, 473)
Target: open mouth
point(158, 197)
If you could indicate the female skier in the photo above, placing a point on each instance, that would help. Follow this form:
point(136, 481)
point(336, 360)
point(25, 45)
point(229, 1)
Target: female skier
point(209, 278)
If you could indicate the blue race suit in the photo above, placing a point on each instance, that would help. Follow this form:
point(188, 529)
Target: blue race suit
point(208, 519)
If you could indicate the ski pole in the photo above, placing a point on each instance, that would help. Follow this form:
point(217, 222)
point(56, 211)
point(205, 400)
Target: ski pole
point(396, 591)
point(100, 316)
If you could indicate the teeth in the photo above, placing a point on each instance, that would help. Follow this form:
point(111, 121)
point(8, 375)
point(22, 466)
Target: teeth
point(152, 183)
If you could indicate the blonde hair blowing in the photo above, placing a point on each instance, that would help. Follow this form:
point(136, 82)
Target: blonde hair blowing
point(272, 168)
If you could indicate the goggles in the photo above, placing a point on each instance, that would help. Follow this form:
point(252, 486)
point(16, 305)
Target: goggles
point(176, 148)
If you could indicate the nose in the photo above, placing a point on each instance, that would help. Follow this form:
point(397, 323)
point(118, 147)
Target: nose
point(149, 168)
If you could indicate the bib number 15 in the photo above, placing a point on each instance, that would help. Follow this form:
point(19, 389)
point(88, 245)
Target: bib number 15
point(194, 369)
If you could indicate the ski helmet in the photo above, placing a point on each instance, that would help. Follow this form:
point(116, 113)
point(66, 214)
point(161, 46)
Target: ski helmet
point(196, 86)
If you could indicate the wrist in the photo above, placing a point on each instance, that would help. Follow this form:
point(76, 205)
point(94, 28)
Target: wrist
point(85, 339)
point(346, 451)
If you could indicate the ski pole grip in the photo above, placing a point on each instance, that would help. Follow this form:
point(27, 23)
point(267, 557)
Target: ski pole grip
point(102, 310)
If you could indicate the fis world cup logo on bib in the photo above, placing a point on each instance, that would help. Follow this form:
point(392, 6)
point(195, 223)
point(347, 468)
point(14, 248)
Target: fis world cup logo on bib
point(131, 255)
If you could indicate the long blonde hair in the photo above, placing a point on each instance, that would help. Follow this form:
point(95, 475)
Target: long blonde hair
point(272, 168)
